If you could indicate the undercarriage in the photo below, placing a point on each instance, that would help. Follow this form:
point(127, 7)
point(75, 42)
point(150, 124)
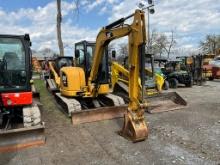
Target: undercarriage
point(21, 127)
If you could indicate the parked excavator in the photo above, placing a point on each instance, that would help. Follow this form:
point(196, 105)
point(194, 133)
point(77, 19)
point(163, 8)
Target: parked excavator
point(70, 90)
point(20, 117)
point(158, 101)
point(155, 81)
point(84, 87)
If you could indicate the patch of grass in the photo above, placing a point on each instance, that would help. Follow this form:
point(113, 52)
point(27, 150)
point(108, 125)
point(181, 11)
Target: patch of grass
point(45, 97)
point(49, 103)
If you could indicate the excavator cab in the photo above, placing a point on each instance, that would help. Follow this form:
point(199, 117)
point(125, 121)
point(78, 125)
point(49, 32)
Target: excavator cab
point(15, 70)
point(84, 51)
point(62, 62)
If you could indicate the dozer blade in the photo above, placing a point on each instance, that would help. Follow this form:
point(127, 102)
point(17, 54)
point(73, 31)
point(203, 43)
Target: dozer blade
point(98, 114)
point(135, 128)
point(20, 138)
point(165, 102)
point(51, 86)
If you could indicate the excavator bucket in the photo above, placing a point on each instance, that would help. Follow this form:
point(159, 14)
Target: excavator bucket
point(20, 138)
point(134, 128)
point(164, 102)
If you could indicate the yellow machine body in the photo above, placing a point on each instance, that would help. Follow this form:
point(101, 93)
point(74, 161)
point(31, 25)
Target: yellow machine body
point(159, 80)
point(119, 73)
point(72, 81)
point(56, 77)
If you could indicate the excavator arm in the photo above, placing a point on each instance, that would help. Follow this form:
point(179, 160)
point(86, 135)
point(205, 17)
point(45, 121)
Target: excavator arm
point(134, 126)
point(116, 70)
point(55, 74)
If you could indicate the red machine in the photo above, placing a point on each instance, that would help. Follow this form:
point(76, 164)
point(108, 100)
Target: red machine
point(20, 117)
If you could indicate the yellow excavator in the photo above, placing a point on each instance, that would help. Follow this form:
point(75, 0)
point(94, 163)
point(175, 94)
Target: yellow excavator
point(158, 100)
point(86, 84)
point(120, 74)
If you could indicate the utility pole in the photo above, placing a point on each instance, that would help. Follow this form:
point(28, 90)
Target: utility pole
point(150, 10)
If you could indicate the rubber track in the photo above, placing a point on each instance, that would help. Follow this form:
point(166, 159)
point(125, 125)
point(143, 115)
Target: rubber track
point(117, 100)
point(72, 104)
point(31, 116)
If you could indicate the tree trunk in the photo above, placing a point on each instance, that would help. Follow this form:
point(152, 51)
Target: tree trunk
point(59, 20)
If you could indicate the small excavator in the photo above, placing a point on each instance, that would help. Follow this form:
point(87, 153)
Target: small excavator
point(20, 117)
point(158, 101)
point(154, 83)
point(68, 81)
point(84, 87)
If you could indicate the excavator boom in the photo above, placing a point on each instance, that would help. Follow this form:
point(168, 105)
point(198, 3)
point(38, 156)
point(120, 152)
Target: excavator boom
point(134, 126)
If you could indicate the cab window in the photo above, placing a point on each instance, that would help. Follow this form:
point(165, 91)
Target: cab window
point(12, 54)
point(81, 59)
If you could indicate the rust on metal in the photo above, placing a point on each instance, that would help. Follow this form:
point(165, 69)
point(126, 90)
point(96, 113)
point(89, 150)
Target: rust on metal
point(98, 114)
point(20, 138)
point(166, 102)
point(134, 129)
point(17, 147)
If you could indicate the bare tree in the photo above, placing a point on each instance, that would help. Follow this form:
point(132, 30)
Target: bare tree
point(210, 44)
point(158, 42)
point(170, 44)
point(123, 50)
point(59, 36)
point(161, 44)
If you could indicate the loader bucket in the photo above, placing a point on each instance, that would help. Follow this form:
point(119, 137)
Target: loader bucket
point(20, 138)
point(164, 102)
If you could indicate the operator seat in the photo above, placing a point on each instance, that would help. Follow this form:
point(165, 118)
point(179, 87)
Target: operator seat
point(12, 60)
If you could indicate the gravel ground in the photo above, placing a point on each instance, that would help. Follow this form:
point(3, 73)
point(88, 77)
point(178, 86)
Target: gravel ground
point(187, 136)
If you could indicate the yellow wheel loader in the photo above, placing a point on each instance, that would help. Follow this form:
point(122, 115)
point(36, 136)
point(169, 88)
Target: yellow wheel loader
point(84, 88)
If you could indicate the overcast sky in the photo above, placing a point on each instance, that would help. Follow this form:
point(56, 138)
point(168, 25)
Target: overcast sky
point(191, 20)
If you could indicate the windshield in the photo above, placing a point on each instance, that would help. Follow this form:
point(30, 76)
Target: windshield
point(12, 63)
point(12, 54)
point(81, 58)
point(85, 59)
point(90, 52)
point(89, 55)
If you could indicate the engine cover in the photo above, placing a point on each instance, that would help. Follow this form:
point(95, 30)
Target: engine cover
point(72, 81)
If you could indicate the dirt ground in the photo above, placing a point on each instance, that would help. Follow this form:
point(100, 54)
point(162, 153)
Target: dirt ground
point(187, 136)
